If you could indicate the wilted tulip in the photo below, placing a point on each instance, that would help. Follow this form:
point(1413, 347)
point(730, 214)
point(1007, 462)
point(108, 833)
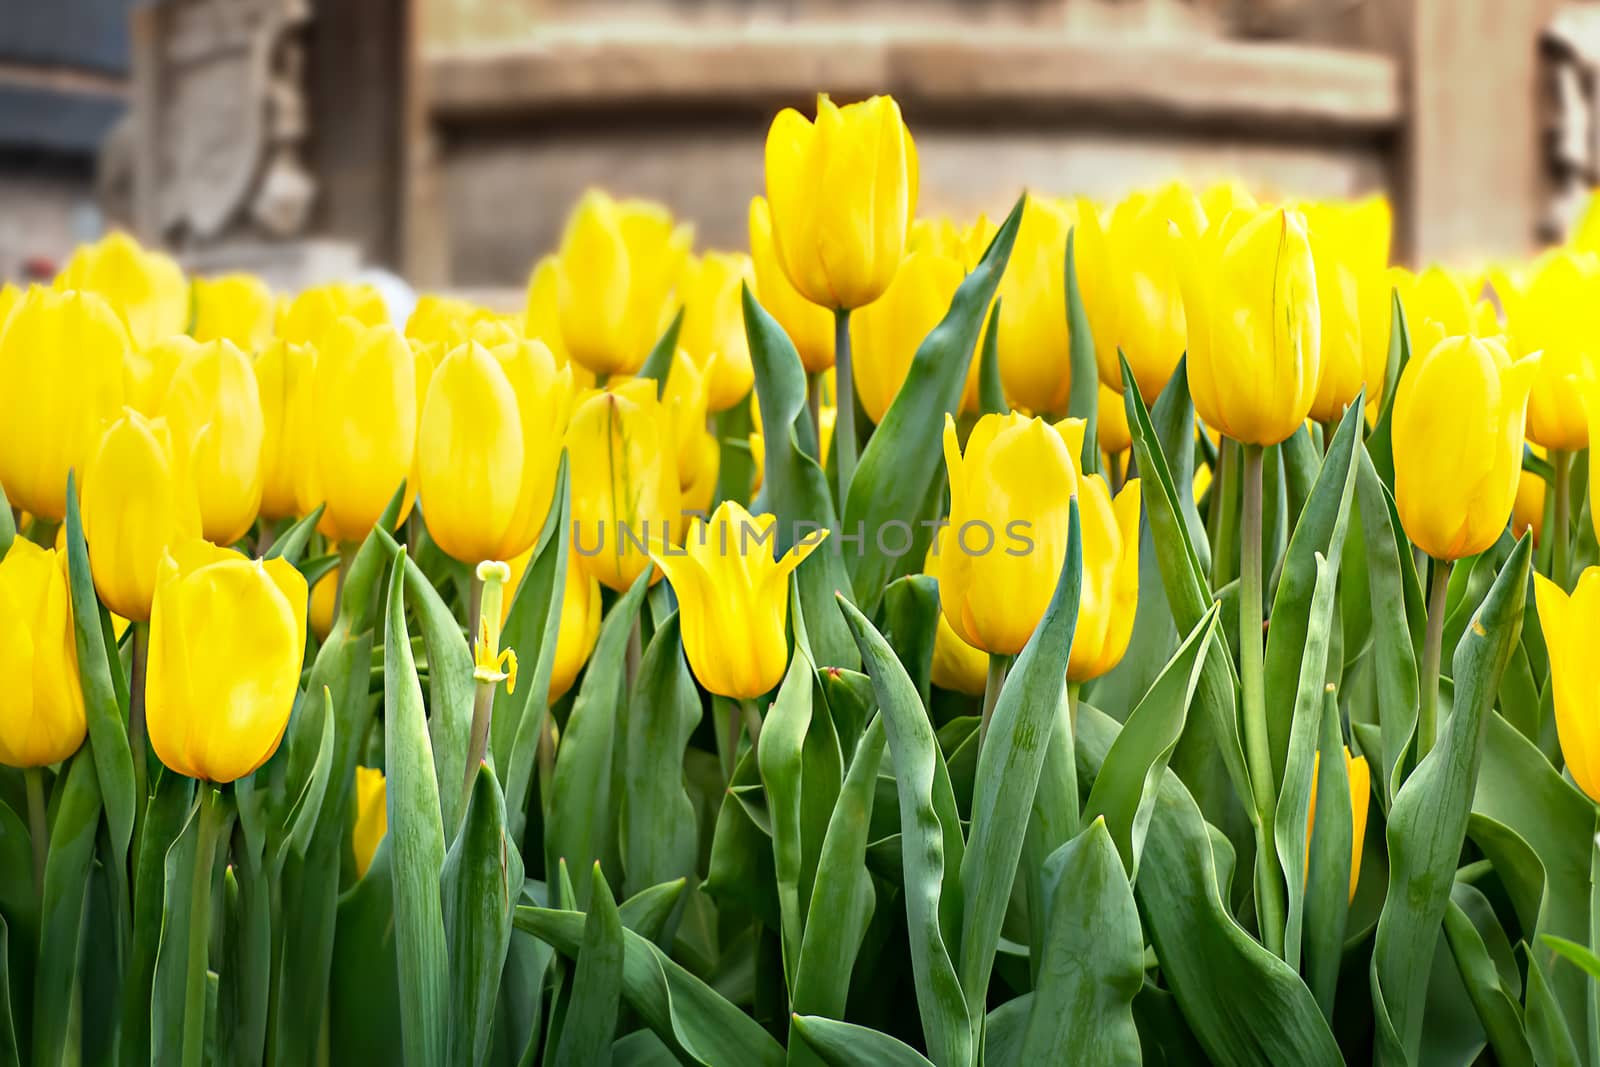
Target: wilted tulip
point(809, 326)
point(620, 263)
point(1350, 247)
point(1458, 423)
point(843, 192)
point(1571, 625)
point(621, 451)
point(137, 501)
point(310, 317)
point(372, 817)
point(1035, 354)
point(363, 433)
point(227, 642)
point(1250, 298)
point(1010, 500)
point(213, 408)
point(734, 599)
point(146, 288)
point(1553, 314)
point(1110, 588)
point(44, 721)
point(541, 321)
point(284, 376)
point(61, 359)
point(885, 334)
point(713, 325)
point(234, 307)
point(1360, 776)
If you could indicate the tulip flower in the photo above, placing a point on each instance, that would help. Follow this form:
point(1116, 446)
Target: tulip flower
point(324, 599)
point(227, 643)
point(363, 433)
point(10, 297)
point(620, 265)
point(1350, 248)
point(580, 620)
point(234, 307)
point(1250, 298)
point(1221, 199)
point(541, 320)
point(44, 719)
point(311, 316)
point(489, 446)
point(137, 501)
point(148, 372)
point(686, 396)
point(1109, 592)
point(621, 450)
point(1438, 304)
point(1111, 423)
point(443, 320)
point(964, 244)
point(809, 326)
point(885, 335)
point(61, 358)
point(372, 817)
point(1035, 354)
point(1010, 500)
point(1360, 776)
point(843, 193)
point(1527, 511)
point(828, 416)
point(713, 325)
point(1571, 625)
point(734, 599)
point(957, 666)
point(284, 376)
point(1553, 315)
point(146, 288)
point(213, 408)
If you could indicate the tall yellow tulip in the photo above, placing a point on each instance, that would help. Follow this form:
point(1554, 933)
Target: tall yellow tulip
point(372, 817)
point(1554, 315)
point(621, 450)
point(843, 193)
point(1350, 247)
point(284, 375)
point(541, 320)
point(734, 599)
point(1250, 298)
point(310, 316)
point(620, 264)
point(489, 447)
point(1571, 626)
point(146, 288)
point(1360, 776)
point(809, 326)
point(363, 427)
point(213, 407)
point(1438, 304)
point(885, 335)
point(1035, 354)
point(713, 325)
point(580, 619)
point(1110, 589)
point(227, 643)
point(1010, 500)
point(234, 307)
point(44, 721)
point(61, 359)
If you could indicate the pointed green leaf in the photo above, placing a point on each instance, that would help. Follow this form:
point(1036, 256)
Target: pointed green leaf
point(591, 1020)
point(848, 1045)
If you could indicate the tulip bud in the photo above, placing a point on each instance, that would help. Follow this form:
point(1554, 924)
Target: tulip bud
point(843, 192)
point(235, 307)
point(310, 317)
point(1010, 505)
point(1035, 354)
point(542, 319)
point(620, 264)
point(61, 359)
point(1250, 299)
point(1553, 314)
point(1458, 423)
point(886, 334)
point(44, 720)
point(1350, 248)
point(1360, 776)
point(621, 450)
point(213, 408)
point(227, 643)
point(324, 599)
point(1109, 593)
point(284, 374)
point(1571, 625)
point(713, 325)
point(1111, 423)
point(363, 432)
point(147, 289)
point(372, 817)
point(809, 326)
point(148, 372)
point(734, 599)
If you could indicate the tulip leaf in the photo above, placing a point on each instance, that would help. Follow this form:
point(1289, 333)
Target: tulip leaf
point(1496, 1004)
point(1574, 953)
point(1428, 820)
point(364, 995)
point(991, 394)
point(244, 975)
point(736, 467)
point(903, 464)
point(1380, 442)
point(75, 819)
point(695, 1021)
point(10, 1051)
point(591, 1018)
point(1327, 897)
point(416, 835)
point(932, 850)
point(911, 626)
point(165, 816)
point(843, 1044)
point(796, 488)
point(740, 873)
point(583, 805)
point(1092, 960)
point(1549, 1036)
point(302, 817)
point(292, 545)
point(8, 525)
point(658, 364)
point(1083, 400)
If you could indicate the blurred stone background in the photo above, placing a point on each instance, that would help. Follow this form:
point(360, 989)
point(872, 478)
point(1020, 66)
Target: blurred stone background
point(445, 139)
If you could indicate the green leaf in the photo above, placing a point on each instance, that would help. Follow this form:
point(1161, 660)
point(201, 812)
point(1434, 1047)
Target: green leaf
point(1380, 442)
point(1083, 402)
point(911, 624)
point(10, 1052)
point(1548, 1033)
point(1327, 903)
point(171, 799)
point(292, 545)
point(903, 464)
point(1574, 953)
point(364, 995)
point(740, 874)
point(1428, 821)
point(848, 1045)
point(658, 364)
point(591, 1019)
point(1496, 1005)
point(991, 394)
point(416, 835)
point(302, 822)
point(646, 912)
point(659, 838)
point(75, 820)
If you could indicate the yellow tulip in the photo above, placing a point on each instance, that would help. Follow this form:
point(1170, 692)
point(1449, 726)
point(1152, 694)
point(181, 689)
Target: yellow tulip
point(1553, 314)
point(10, 297)
point(733, 598)
point(44, 721)
point(1527, 511)
point(310, 317)
point(213, 408)
point(489, 446)
point(146, 288)
point(372, 817)
point(1250, 298)
point(227, 643)
point(843, 192)
point(541, 320)
point(828, 416)
point(443, 320)
point(1360, 776)
point(1111, 423)
point(686, 396)
point(957, 666)
point(363, 428)
point(580, 619)
point(885, 335)
point(1035, 356)
point(61, 361)
point(965, 244)
point(1438, 304)
point(234, 307)
point(324, 599)
point(808, 325)
point(620, 262)
point(1571, 625)
point(148, 372)
point(620, 449)
point(1221, 199)
point(1110, 588)
point(1350, 247)
point(1010, 499)
point(1458, 424)
point(284, 375)
point(137, 501)
point(713, 325)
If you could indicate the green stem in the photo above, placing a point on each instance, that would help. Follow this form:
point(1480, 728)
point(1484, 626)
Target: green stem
point(1114, 473)
point(38, 827)
point(735, 725)
point(546, 757)
point(42, 532)
point(814, 406)
point(1226, 542)
point(1594, 937)
point(1252, 676)
point(1561, 539)
point(1432, 653)
point(1074, 689)
point(347, 558)
point(998, 666)
point(752, 720)
point(194, 1003)
point(844, 424)
point(136, 728)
